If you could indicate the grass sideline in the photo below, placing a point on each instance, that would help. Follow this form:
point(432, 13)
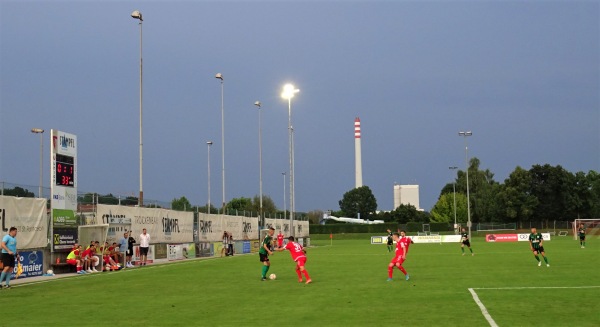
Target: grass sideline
point(349, 289)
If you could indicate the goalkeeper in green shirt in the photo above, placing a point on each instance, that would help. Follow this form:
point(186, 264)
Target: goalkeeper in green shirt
point(536, 244)
point(265, 251)
point(581, 233)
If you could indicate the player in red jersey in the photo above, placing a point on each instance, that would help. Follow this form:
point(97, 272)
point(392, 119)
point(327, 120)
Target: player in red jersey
point(279, 239)
point(402, 244)
point(299, 256)
point(89, 259)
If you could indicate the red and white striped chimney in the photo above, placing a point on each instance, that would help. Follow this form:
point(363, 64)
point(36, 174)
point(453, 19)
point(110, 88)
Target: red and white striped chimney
point(357, 153)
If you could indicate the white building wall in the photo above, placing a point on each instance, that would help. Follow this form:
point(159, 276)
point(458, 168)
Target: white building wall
point(406, 194)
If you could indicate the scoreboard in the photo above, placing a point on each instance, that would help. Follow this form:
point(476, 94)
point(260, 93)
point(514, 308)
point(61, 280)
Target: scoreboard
point(63, 170)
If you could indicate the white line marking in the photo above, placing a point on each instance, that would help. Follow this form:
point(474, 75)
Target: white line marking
point(531, 287)
point(483, 309)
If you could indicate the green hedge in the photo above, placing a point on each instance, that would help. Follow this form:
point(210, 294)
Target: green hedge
point(377, 229)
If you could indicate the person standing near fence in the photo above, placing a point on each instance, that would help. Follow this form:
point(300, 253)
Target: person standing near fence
point(581, 233)
point(130, 242)
point(144, 246)
point(123, 247)
point(464, 237)
point(390, 241)
point(230, 244)
point(9, 252)
point(536, 244)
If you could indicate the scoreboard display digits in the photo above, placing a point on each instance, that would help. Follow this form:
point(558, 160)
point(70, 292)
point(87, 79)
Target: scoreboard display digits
point(65, 171)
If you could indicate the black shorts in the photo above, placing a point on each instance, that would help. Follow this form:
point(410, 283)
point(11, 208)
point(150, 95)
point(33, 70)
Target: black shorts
point(129, 252)
point(143, 251)
point(263, 257)
point(467, 243)
point(539, 250)
point(582, 238)
point(8, 260)
point(390, 242)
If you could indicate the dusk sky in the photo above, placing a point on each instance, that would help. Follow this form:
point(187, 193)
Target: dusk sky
point(524, 77)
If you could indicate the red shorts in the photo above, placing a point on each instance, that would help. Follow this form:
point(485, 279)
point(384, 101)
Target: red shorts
point(72, 262)
point(399, 260)
point(301, 262)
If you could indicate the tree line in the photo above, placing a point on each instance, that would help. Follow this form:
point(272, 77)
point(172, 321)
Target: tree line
point(542, 193)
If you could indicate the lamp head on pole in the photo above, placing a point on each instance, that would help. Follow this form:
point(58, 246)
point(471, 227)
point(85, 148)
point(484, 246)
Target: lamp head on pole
point(468, 133)
point(137, 15)
point(257, 103)
point(219, 76)
point(37, 130)
point(288, 91)
point(209, 143)
point(453, 167)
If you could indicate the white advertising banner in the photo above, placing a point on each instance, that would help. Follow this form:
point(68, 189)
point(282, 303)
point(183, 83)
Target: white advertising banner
point(163, 225)
point(174, 252)
point(212, 227)
point(525, 237)
point(280, 225)
point(301, 228)
point(29, 216)
point(241, 228)
point(283, 225)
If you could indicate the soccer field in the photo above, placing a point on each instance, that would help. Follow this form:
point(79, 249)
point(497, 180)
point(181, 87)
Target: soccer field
point(501, 285)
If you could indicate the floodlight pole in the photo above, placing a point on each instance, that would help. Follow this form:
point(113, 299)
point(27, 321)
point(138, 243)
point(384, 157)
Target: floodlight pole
point(465, 135)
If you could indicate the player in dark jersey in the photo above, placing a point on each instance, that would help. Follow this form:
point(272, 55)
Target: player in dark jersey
point(265, 251)
point(390, 241)
point(581, 233)
point(536, 244)
point(464, 239)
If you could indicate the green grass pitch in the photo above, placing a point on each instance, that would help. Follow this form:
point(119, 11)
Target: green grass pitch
point(349, 289)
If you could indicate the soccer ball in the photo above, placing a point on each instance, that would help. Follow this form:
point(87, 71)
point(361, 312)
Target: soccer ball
point(50, 272)
point(272, 276)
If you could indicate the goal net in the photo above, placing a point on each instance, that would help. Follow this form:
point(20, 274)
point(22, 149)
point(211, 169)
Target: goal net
point(592, 227)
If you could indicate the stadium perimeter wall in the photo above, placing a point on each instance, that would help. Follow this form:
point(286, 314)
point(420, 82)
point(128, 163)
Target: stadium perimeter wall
point(43, 240)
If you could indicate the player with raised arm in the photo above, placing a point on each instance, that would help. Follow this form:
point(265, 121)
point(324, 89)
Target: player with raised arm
point(265, 251)
point(299, 256)
point(581, 232)
point(402, 244)
point(536, 244)
point(464, 238)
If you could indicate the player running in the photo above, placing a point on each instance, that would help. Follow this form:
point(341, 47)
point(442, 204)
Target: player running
point(299, 256)
point(581, 233)
point(279, 239)
point(390, 241)
point(465, 241)
point(402, 244)
point(536, 244)
point(265, 251)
